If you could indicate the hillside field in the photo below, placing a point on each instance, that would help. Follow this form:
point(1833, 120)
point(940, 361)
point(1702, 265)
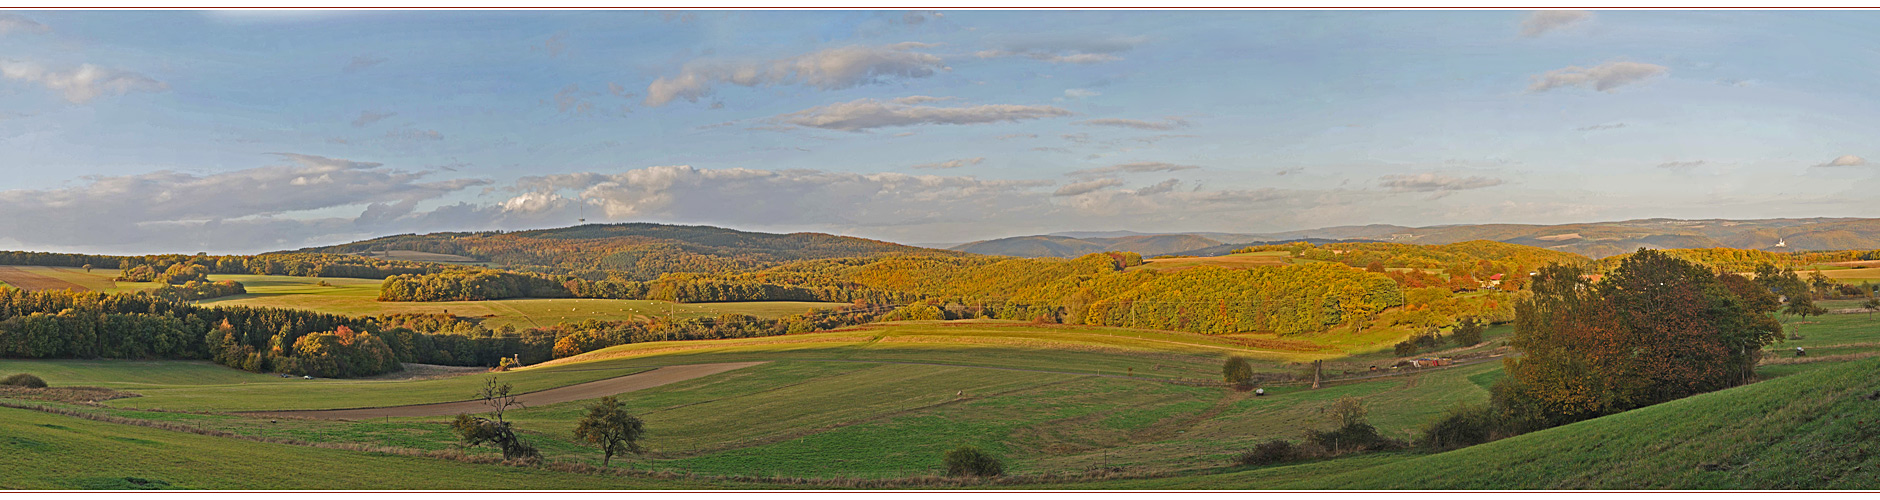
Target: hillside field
point(358, 297)
point(882, 401)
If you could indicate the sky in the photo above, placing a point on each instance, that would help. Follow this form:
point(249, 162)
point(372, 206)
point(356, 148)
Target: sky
point(244, 131)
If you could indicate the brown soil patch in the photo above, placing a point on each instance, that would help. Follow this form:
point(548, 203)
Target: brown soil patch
point(64, 394)
point(26, 280)
point(577, 392)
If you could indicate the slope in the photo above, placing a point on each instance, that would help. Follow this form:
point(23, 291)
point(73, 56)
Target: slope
point(639, 250)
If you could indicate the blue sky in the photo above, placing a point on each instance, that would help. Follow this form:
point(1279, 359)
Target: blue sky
point(136, 132)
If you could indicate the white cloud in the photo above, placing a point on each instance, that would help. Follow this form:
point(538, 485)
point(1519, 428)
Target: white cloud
point(15, 23)
point(1086, 187)
point(1682, 166)
point(787, 197)
point(1081, 93)
point(362, 62)
point(1845, 161)
point(863, 114)
point(828, 69)
point(413, 134)
point(1542, 21)
point(1603, 126)
point(371, 117)
point(1132, 168)
point(81, 84)
point(952, 163)
point(251, 209)
point(1158, 188)
point(1603, 78)
point(1169, 123)
point(1431, 182)
point(1065, 49)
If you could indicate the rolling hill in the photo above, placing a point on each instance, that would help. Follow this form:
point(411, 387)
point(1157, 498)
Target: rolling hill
point(1592, 239)
point(638, 250)
point(1064, 246)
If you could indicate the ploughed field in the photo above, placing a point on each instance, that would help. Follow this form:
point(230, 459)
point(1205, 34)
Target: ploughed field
point(885, 401)
point(37, 278)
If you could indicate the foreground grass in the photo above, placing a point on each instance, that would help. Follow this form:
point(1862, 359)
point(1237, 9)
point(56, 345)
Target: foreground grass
point(1818, 429)
point(45, 451)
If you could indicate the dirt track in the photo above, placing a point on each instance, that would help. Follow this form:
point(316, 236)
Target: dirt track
point(590, 390)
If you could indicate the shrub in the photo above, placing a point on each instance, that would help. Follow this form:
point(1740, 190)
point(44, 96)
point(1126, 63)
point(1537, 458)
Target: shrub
point(1463, 425)
point(1271, 452)
point(1354, 432)
point(1406, 348)
point(1236, 370)
point(971, 461)
point(24, 380)
point(1468, 332)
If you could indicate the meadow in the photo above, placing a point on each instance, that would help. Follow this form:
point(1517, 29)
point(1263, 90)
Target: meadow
point(359, 297)
point(884, 401)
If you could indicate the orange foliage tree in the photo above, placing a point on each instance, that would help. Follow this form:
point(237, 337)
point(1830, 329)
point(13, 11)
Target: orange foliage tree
point(1654, 329)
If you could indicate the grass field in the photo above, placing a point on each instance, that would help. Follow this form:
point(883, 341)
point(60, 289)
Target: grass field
point(359, 297)
point(45, 451)
point(845, 404)
point(886, 400)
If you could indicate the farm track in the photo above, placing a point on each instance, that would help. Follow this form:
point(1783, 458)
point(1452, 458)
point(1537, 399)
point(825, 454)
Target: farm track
point(20, 278)
point(577, 392)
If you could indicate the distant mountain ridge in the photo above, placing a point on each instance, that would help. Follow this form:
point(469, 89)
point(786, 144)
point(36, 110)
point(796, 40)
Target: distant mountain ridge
point(1594, 239)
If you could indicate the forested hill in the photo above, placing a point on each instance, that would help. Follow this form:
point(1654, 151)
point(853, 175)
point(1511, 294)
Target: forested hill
point(1591, 239)
point(1068, 247)
point(638, 251)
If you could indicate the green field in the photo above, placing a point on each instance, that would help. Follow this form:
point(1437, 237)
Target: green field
point(884, 401)
point(45, 451)
point(877, 402)
point(1814, 430)
point(359, 297)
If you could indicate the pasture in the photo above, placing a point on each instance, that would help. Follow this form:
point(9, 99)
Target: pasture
point(58, 278)
point(359, 297)
point(882, 401)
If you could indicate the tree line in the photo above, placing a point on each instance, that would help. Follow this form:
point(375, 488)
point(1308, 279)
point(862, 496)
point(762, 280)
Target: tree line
point(71, 324)
point(275, 264)
point(683, 288)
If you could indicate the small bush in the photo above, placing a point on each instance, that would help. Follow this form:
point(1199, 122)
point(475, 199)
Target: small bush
point(1354, 432)
point(1271, 452)
point(972, 461)
point(1463, 425)
point(1468, 332)
point(1406, 348)
point(1236, 370)
point(24, 380)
